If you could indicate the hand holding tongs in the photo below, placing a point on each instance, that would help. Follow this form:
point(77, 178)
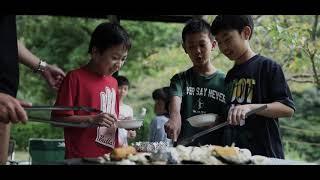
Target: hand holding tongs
point(190, 139)
point(242, 121)
point(62, 108)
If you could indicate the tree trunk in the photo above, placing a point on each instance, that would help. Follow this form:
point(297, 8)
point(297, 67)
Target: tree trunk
point(312, 57)
point(314, 29)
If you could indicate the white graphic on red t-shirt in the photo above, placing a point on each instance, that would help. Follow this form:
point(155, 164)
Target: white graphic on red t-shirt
point(106, 136)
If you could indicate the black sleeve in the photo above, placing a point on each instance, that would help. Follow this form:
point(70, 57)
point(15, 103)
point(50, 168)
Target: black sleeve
point(9, 67)
point(278, 89)
point(176, 86)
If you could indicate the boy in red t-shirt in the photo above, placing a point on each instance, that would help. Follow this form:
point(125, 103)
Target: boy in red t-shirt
point(93, 85)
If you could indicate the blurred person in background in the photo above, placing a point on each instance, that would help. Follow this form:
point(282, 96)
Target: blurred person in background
point(161, 109)
point(126, 111)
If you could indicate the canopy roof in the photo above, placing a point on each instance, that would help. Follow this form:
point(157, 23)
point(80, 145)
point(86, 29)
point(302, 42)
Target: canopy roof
point(154, 18)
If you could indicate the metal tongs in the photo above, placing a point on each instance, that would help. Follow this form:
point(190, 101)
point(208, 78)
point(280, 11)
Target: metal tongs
point(57, 122)
point(62, 108)
point(190, 139)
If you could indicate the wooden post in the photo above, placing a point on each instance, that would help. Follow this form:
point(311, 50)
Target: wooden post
point(114, 19)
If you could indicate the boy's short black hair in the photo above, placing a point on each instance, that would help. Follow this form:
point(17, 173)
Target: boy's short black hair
point(163, 94)
point(231, 22)
point(122, 81)
point(196, 25)
point(107, 35)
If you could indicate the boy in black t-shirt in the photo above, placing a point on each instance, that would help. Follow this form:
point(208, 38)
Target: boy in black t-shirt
point(253, 81)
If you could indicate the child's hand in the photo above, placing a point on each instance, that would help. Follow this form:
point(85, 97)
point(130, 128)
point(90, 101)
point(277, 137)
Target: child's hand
point(104, 119)
point(132, 134)
point(172, 128)
point(238, 113)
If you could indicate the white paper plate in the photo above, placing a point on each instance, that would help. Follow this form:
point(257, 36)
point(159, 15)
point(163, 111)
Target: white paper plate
point(129, 124)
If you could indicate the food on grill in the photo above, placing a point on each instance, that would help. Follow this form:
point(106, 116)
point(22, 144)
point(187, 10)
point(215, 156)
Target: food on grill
point(225, 151)
point(150, 146)
point(194, 154)
point(260, 160)
point(107, 157)
point(122, 153)
point(125, 162)
point(152, 153)
point(183, 152)
point(233, 154)
point(140, 158)
point(204, 154)
point(208, 154)
point(161, 155)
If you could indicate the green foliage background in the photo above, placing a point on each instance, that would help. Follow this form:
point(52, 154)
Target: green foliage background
point(157, 55)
